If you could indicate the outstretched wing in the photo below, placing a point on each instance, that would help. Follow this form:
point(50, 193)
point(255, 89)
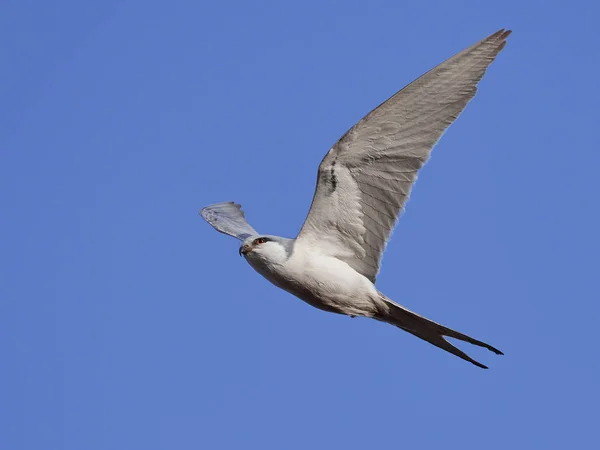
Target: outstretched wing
point(366, 178)
point(228, 218)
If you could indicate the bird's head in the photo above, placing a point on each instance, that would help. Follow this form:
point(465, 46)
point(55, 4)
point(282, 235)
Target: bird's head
point(272, 249)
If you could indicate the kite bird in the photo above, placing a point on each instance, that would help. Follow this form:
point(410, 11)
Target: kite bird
point(362, 186)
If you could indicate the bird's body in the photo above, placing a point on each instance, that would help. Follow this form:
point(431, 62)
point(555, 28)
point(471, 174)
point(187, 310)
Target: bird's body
point(363, 184)
point(318, 278)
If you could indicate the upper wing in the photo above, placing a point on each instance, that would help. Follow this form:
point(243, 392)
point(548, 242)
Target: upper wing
point(365, 179)
point(228, 218)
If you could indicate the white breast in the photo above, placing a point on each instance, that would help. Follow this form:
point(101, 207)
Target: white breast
point(322, 280)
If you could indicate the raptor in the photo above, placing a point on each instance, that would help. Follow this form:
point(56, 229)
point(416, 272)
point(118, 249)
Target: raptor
point(363, 184)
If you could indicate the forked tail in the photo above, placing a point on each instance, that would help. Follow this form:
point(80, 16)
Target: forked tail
point(430, 331)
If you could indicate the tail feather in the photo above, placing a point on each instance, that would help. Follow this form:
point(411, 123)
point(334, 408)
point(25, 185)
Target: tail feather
point(430, 331)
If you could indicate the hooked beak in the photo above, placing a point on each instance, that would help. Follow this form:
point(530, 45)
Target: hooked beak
point(244, 249)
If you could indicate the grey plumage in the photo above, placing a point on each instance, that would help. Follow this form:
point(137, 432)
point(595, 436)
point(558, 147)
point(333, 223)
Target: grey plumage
point(228, 218)
point(363, 184)
point(383, 152)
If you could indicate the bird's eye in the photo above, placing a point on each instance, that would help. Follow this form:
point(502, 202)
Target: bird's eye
point(260, 241)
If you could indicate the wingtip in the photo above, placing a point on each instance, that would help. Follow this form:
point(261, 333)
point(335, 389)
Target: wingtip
point(213, 205)
point(501, 36)
point(498, 39)
point(502, 33)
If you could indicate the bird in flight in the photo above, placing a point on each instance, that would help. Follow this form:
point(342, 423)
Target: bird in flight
point(363, 183)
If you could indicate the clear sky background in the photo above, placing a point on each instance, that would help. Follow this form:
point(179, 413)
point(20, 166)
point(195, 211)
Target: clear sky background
point(126, 322)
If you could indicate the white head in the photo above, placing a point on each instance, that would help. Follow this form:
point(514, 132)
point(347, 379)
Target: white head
point(267, 249)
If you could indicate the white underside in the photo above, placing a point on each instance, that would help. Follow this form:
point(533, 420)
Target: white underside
point(319, 279)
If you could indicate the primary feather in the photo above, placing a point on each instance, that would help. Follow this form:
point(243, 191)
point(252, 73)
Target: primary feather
point(366, 178)
point(228, 218)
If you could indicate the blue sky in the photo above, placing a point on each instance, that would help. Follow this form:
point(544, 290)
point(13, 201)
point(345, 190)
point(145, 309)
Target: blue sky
point(126, 322)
